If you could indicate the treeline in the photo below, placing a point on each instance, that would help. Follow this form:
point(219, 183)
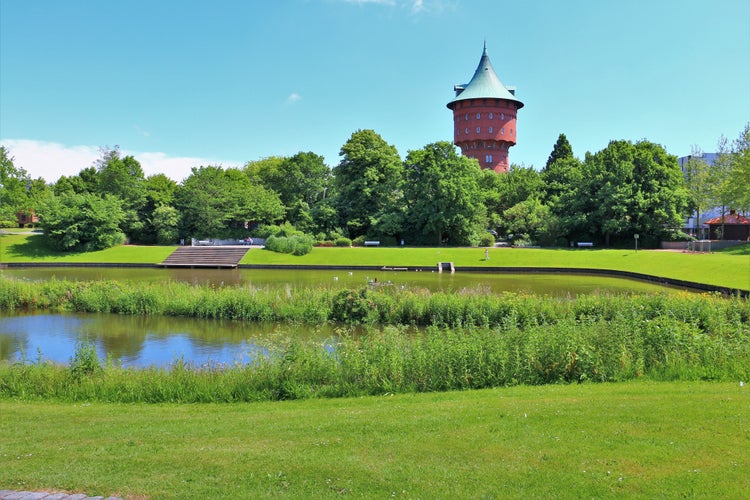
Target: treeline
point(432, 197)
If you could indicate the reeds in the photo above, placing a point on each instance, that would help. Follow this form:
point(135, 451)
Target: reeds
point(468, 340)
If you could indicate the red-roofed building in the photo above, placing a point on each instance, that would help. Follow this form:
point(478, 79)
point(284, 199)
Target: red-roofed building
point(736, 227)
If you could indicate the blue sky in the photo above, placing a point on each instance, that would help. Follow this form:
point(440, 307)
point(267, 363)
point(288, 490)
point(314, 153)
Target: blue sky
point(188, 83)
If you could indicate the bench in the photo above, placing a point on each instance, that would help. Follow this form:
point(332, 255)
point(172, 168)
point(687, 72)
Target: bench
point(372, 243)
point(585, 244)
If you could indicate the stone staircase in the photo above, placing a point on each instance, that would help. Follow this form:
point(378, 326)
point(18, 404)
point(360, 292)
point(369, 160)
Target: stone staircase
point(220, 256)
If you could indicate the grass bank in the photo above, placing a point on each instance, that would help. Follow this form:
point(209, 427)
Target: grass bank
point(636, 439)
point(729, 268)
point(29, 248)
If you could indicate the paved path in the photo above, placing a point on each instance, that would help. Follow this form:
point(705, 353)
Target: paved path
point(43, 495)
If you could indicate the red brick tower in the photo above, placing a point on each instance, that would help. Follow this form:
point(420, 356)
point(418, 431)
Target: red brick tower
point(484, 117)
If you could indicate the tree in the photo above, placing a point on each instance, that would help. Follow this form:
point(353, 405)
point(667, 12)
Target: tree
point(14, 182)
point(166, 222)
point(443, 196)
point(300, 181)
point(626, 189)
point(698, 183)
point(82, 222)
point(561, 151)
point(160, 190)
point(367, 180)
point(217, 203)
point(532, 220)
point(740, 171)
point(721, 179)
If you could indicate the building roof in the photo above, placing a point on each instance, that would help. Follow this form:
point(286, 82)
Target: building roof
point(484, 84)
point(729, 219)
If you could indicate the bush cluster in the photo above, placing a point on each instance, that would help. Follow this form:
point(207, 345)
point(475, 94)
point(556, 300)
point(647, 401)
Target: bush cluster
point(298, 244)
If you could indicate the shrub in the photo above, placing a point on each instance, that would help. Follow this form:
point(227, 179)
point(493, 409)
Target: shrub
point(486, 240)
point(359, 241)
point(343, 242)
point(299, 244)
point(353, 307)
point(269, 230)
point(85, 361)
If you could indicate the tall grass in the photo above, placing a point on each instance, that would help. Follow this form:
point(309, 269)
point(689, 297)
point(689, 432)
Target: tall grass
point(384, 306)
point(468, 341)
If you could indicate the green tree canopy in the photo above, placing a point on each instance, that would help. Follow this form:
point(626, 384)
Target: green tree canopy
point(561, 151)
point(698, 183)
point(443, 196)
point(82, 222)
point(217, 203)
point(626, 189)
point(14, 185)
point(740, 171)
point(367, 180)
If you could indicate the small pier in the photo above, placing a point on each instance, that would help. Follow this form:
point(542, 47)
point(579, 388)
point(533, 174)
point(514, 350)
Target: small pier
point(209, 256)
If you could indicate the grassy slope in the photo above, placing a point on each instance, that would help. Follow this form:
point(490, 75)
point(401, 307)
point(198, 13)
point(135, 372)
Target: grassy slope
point(29, 248)
point(728, 268)
point(725, 269)
point(584, 441)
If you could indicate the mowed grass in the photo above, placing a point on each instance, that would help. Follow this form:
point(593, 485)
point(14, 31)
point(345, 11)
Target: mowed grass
point(30, 248)
point(729, 268)
point(560, 441)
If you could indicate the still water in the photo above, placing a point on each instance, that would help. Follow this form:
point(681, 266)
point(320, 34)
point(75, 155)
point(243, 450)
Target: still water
point(538, 284)
point(159, 341)
point(141, 341)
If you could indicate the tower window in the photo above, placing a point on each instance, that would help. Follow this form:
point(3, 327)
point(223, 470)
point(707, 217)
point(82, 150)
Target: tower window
point(488, 159)
point(490, 119)
point(467, 117)
point(478, 129)
point(490, 130)
point(479, 115)
point(502, 116)
point(466, 131)
point(502, 130)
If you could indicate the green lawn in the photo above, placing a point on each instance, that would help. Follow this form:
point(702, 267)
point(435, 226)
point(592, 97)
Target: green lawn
point(579, 441)
point(730, 268)
point(29, 248)
point(719, 268)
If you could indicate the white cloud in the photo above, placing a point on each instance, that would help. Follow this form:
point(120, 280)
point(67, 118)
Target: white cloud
point(378, 2)
point(415, 6)
point(293, 97)
point(50, 160)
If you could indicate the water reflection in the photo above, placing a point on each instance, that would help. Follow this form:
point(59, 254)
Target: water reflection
point(145, 341)
point(158, 340)
point(538, 284)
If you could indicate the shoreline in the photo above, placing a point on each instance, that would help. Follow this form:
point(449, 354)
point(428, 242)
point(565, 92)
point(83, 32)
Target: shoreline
point(696, 286)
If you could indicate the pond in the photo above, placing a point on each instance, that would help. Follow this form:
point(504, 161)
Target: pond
point(140, 341)
point(537, 284)
point(159, 341)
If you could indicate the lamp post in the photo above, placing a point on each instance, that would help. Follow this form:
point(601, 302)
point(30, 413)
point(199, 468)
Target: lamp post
point(635, 237)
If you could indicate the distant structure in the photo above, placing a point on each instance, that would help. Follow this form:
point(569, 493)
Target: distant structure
point(484, 117)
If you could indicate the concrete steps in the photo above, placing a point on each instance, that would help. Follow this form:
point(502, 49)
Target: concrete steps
point(221, 256)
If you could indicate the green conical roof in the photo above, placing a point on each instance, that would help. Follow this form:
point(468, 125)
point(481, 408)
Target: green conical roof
point(484, 84)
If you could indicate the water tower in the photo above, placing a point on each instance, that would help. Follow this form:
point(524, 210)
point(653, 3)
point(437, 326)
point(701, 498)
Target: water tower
point(484, 117)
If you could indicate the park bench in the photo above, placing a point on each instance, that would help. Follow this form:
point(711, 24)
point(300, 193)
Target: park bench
point(372, 243)
point(585, 244)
